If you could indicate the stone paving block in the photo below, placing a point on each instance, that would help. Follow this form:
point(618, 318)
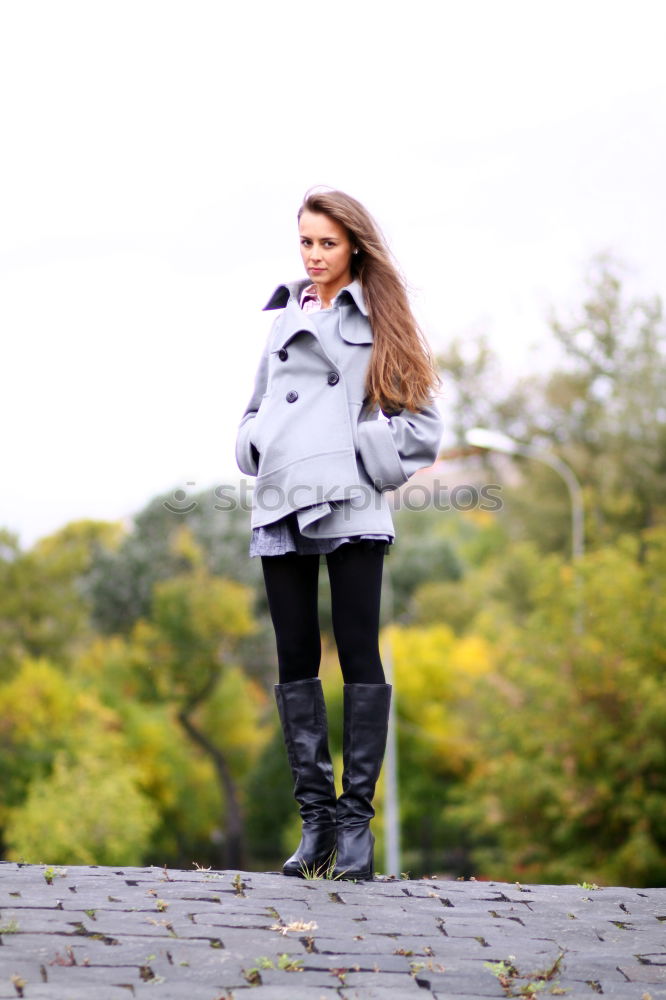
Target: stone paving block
point(381, 962)
point(637, 973)
point(118, 922)
point(422, 910)
point(176, 991)
point(354, 946)
point(77, 902)
point(581, 966)
point(470, 984)
point(137, 946)
point(39, 921)
point(366, 902)
point(449, 995)
point(310, 978)
point(393, 927)
point(451, 947)
point(44, 991)
point(628, 991)
point(332, 925)
point(228, 972)
point(87, 951)
point(352, 914)
point(292, 889)
point(295, 993)
point(80, 975)
point(242, 940)
point(228, 919)
point(298, 910)
point(550, 922)
point(396, 981)
point(522, 944)
point(206, 937)
point(386, 993)
point(41, 946)
point(211, 891)
point(377, 962)
point(422, 946)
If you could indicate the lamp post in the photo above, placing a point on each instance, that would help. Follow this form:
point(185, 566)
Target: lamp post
point(481, 437)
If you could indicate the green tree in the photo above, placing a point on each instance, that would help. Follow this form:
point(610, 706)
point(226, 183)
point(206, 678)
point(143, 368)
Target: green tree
point(89, 810)
point(182, 656)
point(42, 711)
point(569, 780)
point(67, 767)
point(43, 611)
point(121, 581)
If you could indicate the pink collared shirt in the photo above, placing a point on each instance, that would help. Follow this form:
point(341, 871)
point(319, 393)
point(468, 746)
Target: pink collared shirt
point(310, 301)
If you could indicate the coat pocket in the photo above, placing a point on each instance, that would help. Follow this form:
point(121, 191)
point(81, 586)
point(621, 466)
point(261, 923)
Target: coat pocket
point(255, 430)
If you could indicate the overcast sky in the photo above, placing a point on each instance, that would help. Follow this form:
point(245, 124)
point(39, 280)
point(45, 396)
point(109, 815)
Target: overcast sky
point(154, 155)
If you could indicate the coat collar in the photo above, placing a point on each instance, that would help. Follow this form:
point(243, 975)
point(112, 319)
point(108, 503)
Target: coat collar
point(293, 289)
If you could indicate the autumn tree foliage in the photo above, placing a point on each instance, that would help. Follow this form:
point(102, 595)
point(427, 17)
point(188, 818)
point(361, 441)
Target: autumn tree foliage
point(569, 777)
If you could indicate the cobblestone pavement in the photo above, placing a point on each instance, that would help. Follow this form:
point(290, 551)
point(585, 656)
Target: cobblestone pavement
point(83, 933)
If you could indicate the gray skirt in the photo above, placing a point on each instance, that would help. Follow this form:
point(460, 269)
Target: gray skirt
point(284, 536)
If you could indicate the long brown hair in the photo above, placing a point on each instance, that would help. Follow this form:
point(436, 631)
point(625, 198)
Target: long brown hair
point(402, 371)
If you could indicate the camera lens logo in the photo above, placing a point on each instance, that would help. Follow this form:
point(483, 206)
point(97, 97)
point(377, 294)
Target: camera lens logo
point(178, 505)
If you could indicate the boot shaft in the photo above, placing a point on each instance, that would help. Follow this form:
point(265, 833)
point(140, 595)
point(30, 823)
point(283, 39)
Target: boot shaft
point(302, 712)
point(366, 717)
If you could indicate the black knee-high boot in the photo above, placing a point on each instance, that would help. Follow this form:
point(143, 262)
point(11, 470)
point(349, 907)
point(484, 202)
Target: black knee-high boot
point(302, 713)
point(366, 715)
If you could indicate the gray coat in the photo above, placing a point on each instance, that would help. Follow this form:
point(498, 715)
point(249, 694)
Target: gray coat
point(307, 436)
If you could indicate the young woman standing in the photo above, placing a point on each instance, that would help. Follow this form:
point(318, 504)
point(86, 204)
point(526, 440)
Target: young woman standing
point(342, 412)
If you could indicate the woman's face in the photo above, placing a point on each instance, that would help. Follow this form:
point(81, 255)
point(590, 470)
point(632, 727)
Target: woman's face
point(326, 251)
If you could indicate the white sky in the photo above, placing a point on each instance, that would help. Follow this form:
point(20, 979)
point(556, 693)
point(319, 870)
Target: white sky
point(153, 158)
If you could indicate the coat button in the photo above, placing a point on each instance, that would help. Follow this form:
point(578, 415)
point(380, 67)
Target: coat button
point(282, 354)
point(333, 378)
point(291, 396)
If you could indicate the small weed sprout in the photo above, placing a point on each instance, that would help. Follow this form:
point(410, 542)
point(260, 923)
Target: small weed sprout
point(508, 975)
point(318, 872)
point(52, 872)
point(253, 975)
point(19, 984)
point(290, 964)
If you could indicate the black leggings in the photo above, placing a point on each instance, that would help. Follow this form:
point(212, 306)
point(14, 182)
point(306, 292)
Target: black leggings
point(355, 575)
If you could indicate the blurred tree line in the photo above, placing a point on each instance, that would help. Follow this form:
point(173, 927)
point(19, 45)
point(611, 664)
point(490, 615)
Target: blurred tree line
point(137, 722)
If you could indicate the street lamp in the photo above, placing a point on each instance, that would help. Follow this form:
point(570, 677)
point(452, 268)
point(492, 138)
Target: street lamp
point(481, 437)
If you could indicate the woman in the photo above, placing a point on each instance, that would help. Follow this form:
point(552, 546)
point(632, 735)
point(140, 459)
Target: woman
point(341, 413)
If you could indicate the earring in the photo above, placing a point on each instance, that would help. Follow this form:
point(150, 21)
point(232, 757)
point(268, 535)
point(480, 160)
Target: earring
point(355, 251)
